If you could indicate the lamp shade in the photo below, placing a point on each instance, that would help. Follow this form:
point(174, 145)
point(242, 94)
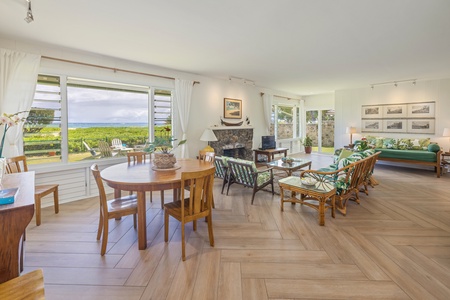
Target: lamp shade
point(446, 132)
point(350, 130)
point(208, 136)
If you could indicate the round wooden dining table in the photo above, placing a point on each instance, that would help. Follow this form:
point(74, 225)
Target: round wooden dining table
point(141, 178)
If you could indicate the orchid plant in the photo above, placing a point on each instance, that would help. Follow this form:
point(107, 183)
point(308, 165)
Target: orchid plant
point(9, 120)
point(163, 142)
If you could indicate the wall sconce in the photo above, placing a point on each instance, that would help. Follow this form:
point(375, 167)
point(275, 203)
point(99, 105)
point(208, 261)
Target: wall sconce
point(351, 131)
point(208, 136)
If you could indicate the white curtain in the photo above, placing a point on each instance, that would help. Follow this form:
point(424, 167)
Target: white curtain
point(267, 106)
point(182, 99)
point(18, 77)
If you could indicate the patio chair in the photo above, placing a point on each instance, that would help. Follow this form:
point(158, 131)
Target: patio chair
point(92, 151)
point(105, 150)
point(117, 144)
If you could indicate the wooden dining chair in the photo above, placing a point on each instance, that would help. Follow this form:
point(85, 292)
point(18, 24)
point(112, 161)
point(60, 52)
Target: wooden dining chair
point(27, 286)
point(111, 209)
point(138, 157)
point(197, 205)
point(18, 164)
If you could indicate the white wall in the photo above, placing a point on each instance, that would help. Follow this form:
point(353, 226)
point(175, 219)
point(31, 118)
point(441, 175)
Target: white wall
point(348, 107)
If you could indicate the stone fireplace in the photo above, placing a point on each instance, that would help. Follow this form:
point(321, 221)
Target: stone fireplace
point(233, 141)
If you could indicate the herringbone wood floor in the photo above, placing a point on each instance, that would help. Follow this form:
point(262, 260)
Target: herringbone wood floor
point(394, 245)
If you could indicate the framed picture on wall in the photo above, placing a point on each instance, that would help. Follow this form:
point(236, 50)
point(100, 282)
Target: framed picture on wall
point(421, 110)
point(372, 111)
point(372, 126)
point(394, 125)
point(420, 126)
point(395, 111)
point(232, 108)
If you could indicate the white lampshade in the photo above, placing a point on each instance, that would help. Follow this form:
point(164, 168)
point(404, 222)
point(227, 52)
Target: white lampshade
point(350, 130)
point(446, 132)
point(208, 136)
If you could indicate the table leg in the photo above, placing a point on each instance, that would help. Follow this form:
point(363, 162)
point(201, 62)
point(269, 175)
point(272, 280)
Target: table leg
point(117, 195)
point(142, 221)
point(322, 211)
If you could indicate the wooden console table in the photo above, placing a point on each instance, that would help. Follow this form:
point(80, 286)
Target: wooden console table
point(14, 218)
point(269, 153)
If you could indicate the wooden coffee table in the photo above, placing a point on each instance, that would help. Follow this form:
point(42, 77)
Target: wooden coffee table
point(289, 168)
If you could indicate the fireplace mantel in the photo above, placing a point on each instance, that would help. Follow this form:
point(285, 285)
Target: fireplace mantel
point(230, 127)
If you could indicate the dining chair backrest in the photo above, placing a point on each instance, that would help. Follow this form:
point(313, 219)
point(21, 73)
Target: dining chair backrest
point(206, 156)
point(136, 157)
point(16, 164)
point(27, 286)
point(101, 187)
point(200, 192)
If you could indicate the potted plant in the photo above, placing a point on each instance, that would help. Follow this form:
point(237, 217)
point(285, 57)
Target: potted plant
point(162, 146)
point(307, 143)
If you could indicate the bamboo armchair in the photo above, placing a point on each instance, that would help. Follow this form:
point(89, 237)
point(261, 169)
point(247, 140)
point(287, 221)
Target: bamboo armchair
point(221, 171)
point(347, 180)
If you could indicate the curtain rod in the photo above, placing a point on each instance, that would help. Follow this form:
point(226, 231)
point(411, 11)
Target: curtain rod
point(110, 68)
point(282, 97)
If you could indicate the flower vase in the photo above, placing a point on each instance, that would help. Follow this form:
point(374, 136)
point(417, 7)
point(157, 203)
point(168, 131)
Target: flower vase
point(164, 160)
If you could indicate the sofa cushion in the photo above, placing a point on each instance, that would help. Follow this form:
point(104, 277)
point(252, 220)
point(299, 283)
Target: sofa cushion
point(419, 155)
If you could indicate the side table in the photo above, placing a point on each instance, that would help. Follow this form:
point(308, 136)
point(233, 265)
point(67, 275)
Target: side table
point(445, 160)
point(312, 196)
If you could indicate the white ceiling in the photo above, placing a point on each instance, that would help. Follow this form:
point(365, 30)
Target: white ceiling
point(298, 46)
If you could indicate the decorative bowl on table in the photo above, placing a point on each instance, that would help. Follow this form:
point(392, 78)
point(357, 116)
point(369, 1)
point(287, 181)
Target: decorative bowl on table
point(288, 160)
point(309, 181)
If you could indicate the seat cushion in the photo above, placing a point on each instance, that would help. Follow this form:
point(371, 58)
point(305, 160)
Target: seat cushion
point(419, 155)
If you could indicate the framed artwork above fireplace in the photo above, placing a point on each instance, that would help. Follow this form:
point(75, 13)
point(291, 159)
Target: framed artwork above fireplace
point(232, 108)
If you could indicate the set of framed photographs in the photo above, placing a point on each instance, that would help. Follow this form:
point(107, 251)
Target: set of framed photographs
point(404, 117)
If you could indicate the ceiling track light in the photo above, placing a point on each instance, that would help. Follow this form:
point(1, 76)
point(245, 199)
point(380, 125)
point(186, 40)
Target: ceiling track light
point(29, 18)
point(395, 83)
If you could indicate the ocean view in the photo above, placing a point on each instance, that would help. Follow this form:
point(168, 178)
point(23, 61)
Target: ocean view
point(88, 125)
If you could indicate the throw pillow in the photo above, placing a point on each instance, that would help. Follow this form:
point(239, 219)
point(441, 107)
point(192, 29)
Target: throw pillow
point(389, 143)
point(371, 140)
point(433, 147)
point(414, 144)
point(404, 144)
point(424, 143)
point(379, 142)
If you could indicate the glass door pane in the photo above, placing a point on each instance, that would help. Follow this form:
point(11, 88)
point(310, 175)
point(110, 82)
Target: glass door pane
point(327, 145)
point(312, 127)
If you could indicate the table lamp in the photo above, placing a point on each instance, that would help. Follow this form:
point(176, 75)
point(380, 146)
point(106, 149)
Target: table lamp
point(208, 136)
point(447, 133)
point(351, 131)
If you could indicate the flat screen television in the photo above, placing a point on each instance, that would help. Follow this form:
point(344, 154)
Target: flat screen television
point(268, 142)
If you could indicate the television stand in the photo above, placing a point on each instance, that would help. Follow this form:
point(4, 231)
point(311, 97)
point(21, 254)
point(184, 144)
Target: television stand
point(270, 153)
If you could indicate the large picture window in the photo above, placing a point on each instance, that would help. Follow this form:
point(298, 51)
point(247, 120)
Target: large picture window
point(104, 119)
